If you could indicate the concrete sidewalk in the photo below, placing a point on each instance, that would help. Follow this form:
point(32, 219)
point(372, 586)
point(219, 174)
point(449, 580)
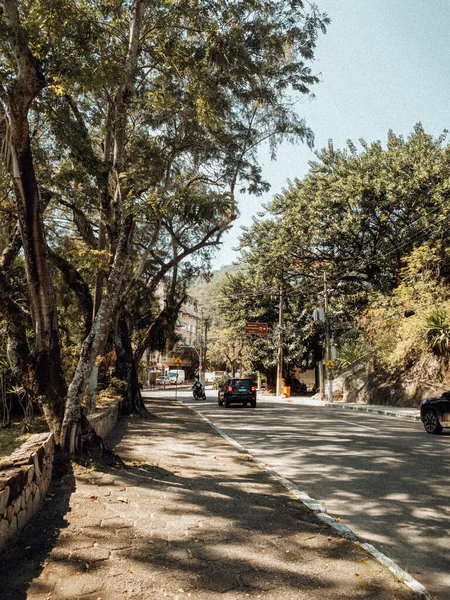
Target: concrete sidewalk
point(190, 517)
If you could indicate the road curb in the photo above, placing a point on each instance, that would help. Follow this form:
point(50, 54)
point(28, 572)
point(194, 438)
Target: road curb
point(371, 409)
point(322, 514)
point(390, 412)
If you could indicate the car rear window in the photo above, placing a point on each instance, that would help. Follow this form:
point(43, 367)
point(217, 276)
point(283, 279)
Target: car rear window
point(241, 383)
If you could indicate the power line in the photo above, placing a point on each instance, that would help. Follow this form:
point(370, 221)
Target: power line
point(407, 240)
point(376, 259)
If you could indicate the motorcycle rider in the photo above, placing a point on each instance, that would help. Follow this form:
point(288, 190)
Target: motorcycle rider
point(197, 388)
point(196, 385)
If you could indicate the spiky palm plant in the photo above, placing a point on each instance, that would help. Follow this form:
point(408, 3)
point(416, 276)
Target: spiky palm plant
point(350, 352)
point(437, 332)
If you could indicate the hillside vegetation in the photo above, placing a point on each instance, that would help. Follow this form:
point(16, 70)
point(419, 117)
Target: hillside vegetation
point(374, 221)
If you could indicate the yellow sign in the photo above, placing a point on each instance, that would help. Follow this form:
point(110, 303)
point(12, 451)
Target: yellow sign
point(329, 364)
point(177, 361)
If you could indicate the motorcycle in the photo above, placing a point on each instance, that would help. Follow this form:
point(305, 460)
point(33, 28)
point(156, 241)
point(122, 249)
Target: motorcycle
point(198, 391)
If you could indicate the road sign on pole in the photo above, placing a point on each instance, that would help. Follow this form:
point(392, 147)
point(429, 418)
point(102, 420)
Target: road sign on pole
point(252, 328)
point(177, 361)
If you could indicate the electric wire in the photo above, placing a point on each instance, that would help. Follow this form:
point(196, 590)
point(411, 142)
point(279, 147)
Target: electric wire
point(375, 260)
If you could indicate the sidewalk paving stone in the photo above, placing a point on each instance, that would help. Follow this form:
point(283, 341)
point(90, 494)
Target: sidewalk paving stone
point(190, 517)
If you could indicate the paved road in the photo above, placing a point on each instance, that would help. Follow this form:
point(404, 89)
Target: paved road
point(384, 477)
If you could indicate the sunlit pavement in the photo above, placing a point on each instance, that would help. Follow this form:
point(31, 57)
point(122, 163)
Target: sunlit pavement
point(189, 517)
point(381, 475)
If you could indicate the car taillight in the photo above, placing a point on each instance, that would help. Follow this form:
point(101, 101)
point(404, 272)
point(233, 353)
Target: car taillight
point(253, 388)
point(230, 388)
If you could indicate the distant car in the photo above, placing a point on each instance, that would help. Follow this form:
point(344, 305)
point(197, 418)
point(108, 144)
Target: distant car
point(176, 376)
point(237, 391)
point(435, 413)
point(163, 380)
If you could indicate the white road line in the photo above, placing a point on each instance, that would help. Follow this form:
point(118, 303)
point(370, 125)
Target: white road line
point(322, 515)
point(357, 425)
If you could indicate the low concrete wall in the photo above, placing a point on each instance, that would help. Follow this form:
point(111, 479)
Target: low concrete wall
point(24, 480)
point(104, 420)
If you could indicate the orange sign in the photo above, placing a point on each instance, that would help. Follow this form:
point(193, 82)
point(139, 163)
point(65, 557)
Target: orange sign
point(255, 328)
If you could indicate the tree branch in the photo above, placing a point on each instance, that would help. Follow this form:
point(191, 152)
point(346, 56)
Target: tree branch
point(77, 284)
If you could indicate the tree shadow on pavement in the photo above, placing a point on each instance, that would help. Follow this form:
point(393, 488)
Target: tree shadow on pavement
point(188, 515)
point(230, 529)
point(383, 476)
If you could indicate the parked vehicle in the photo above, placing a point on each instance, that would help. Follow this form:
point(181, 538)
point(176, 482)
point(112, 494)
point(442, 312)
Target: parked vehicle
point(177, 376)
point(435, 413)
point(237, 391)
point(198, 391)
point(163, 380)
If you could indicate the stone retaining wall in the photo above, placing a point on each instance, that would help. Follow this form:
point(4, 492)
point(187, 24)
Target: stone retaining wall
point(24, 480)
point(25, 475)
point(104, 420)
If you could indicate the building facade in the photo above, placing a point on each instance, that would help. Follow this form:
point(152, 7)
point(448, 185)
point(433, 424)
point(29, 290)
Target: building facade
point(188, 332)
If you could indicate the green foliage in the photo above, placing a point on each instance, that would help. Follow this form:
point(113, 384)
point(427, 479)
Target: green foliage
point(117, 384)
point(398, 325)
point(375, 220)
point(211, 82)
point(437, 332)
point(350, 352)
point(226, 351)
point(219, 381)
point(360, 213)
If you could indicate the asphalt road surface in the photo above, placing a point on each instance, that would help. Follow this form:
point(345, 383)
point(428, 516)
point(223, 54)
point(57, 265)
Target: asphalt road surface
point(384, 477)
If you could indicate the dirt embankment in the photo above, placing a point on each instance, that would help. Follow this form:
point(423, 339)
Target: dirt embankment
point(362, 382)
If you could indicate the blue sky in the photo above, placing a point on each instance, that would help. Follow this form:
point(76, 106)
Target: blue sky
point(383, 64)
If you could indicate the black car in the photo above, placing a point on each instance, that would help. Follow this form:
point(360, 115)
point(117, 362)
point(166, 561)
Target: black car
point(435, 413)
point(237, 391)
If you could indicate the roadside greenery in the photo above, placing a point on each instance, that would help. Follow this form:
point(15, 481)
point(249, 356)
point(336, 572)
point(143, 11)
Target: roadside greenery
point(374, 219)
point(126, 132)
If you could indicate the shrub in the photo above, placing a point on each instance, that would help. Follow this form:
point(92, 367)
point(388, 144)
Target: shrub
point(437, 332)
point(219, 381)
point(350, 352)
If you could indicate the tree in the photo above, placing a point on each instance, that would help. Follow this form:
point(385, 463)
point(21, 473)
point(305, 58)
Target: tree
point(353, 207)
point(124, 132)
point(357, 215)
point(17, 94)
point(227, 350)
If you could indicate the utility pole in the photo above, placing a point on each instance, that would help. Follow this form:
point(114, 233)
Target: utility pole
point(328, 362)
point(280, 342)
point(205, 347)
point(201, 375)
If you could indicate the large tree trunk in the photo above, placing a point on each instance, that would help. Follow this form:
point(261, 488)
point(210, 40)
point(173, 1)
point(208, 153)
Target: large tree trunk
point(17, 347)
point(48, 372)
point(126, 370)
point(95, 342)
point(49, 378)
